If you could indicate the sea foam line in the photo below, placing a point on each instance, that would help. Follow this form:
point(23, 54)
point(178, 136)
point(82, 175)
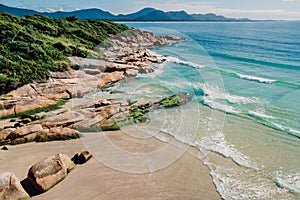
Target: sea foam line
point(254, 78)
point(217, 143)
point(178, 61)
point(290, 182)
point(232, 74)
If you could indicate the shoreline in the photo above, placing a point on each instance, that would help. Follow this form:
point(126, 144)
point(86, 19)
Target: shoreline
point(186, 178)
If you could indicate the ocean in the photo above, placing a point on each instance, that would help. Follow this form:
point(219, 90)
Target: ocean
point(245, 113)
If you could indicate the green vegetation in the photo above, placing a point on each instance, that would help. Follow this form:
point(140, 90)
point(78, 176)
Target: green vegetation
point(34, 111)
point(32, 46)
point(171, 102)
point(136, 115)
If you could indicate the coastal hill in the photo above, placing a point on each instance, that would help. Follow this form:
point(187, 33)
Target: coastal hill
point(33, 45)
point(146, 14)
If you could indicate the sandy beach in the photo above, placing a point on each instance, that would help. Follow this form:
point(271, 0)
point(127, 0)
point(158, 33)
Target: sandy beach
point(185, 178)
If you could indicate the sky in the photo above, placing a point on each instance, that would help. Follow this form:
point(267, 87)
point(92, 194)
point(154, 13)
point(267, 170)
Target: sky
point(253, 9)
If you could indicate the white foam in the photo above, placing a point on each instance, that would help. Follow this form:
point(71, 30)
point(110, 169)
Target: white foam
point(183, 84)
point(290, 182)
point(260, 113)
point(239, 184)
point(218, 106)
point(254, 78)
point(178, 61)
point(214, 92)
point(218, 144)
point(287, 129)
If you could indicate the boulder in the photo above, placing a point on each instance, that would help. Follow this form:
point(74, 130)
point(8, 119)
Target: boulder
point(172, 37)
point(11, 188)
point(101, 103)
point(131, 72)
point(50, 171)
point(4, 148)
point(81, 158)
point(25, 130)
point(4, 133)
point(57, 133)
point(112, 77)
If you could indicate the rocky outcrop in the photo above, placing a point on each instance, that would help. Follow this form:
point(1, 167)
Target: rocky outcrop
point(173, 101)
point(90, 116)
point(11, 188)
point(136, 38)
point(50, 171)
point(126, 56)
point(24, 131)
point(37, 132)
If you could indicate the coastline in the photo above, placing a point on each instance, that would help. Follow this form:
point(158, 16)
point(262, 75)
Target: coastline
point(186, 178)
point(243, 155)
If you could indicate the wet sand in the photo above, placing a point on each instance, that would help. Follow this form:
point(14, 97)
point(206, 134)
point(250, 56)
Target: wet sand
point(109, 174)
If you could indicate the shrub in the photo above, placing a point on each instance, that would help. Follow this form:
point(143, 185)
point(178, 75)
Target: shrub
point(34, 45)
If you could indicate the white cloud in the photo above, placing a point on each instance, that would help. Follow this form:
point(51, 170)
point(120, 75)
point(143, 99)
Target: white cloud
point(202, 7)
point(291, 0)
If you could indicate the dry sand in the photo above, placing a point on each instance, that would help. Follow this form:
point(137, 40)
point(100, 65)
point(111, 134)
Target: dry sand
point(182, 178)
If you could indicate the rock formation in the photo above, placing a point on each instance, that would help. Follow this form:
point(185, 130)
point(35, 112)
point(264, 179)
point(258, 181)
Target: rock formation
point(50, 171)
point(11, 188)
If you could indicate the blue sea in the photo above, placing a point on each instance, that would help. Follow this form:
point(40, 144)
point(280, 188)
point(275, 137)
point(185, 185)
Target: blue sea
point(245, 113)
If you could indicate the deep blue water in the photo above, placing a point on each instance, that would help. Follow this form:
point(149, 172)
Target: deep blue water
point(259, 60)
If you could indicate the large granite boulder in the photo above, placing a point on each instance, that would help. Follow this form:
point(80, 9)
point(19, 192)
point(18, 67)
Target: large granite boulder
point(50, 171)
point(11, 188)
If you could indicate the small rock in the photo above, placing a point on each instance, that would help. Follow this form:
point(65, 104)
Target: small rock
point(11, 188)
point(102, 103)
point(26, 120)
point(81, 158)
point(17, 125)
point(4, 148)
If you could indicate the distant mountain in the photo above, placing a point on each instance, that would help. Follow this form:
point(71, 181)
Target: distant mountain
point(211, 17)
point(92, 13)
point(146, 14)
point(136, 15)
point(17, 11)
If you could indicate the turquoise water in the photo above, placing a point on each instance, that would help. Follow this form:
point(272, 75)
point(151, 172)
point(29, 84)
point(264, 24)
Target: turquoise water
point(245, 114)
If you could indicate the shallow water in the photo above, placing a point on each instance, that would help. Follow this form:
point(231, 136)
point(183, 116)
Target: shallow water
point(245, 114)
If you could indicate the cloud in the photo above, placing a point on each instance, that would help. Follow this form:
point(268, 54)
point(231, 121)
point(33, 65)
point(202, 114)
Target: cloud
point(62, 8)
point(203, 7)
point(59, 8)
point(291, 0)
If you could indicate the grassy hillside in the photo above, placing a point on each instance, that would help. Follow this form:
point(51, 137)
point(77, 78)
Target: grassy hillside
point(32, 46)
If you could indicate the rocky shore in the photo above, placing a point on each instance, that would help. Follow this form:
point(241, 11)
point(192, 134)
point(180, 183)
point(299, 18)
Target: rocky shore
point(125, 56)
point(25, 115)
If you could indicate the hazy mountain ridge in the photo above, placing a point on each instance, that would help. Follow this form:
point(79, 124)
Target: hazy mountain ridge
point(146, 14)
